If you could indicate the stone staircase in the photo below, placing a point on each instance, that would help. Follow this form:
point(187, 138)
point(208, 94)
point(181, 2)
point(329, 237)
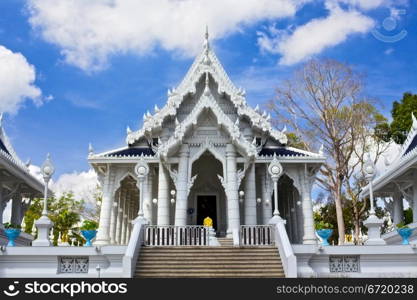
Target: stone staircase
point(225, 241)
point(209, 262)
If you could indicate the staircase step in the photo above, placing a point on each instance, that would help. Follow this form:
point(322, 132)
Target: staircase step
point(211, 275)
point(209, 262)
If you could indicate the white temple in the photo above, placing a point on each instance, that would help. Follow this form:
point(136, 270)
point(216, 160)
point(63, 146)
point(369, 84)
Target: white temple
point(16, 185)
point(399, 182)
point(204, 148)
point(206, 153)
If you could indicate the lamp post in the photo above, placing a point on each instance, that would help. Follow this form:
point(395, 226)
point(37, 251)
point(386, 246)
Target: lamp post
point(369, 169)
point(44, 224)
point(373, 223)
point(141, 170)
point(47, 171)
point(275, 171)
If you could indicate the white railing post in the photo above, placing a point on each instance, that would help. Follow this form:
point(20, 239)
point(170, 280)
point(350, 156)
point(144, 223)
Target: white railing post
point(133, 248)
point(289, 260)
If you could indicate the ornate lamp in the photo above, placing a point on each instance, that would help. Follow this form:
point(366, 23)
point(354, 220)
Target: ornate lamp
point(141, 170)
point(372, 222)
point(44, 224)
point(369, 169)
point(241, 195)
point(173, 192)
point(275, 170)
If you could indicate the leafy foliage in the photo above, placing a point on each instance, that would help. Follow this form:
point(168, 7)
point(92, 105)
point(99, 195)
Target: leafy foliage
point(327, 215)
point(64, 212)
point(11, 226)
point(401, 115)
point(323, 225)
point(89, 225)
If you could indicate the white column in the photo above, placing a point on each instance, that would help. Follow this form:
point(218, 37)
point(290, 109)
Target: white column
point(398, 208)
point(3, 204)
point(250, 196)
point(124, 222)
point(414, 200)
point(182, 182)
point(103, 235)
point(266, 197)
point(119, 224)
point(147, 206)
point(113, 222)
point(309, 235)
point(163, 196)
point(232, 191)
point(16, 209)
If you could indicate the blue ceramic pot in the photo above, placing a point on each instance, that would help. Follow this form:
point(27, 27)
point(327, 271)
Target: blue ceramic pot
point(324, 234)
point(12, 234)
point(88, 235)
point(405, 233)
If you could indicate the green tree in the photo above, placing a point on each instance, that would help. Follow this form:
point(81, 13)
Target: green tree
point(64, 211)
point(327, 214)
point(401, 117)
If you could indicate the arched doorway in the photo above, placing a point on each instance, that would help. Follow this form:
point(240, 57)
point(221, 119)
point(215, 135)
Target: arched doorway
point(207, 197)
point(290, 208)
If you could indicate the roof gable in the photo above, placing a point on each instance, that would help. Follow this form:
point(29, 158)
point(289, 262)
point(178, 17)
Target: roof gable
point(205, 63)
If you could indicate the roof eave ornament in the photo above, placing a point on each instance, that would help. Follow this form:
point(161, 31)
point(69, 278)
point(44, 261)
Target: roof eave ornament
point(414, 125)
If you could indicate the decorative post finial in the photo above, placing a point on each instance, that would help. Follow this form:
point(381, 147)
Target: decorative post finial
point(414, 124)
point(90, 149)
point(206, 38)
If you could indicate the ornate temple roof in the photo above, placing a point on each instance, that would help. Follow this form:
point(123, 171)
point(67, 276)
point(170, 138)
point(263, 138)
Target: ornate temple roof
point(10, 161)
point(406, 159)
point(206, 65)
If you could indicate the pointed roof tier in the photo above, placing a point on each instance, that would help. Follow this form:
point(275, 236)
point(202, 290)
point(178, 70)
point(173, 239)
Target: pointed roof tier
point(205, 63)
point(207, 80)
point(401, 165)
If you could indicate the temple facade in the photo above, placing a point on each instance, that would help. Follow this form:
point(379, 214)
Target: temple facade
point(207, 153)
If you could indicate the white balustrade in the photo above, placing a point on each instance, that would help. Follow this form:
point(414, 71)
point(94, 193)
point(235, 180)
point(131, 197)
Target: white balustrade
point(256, 235)
point(170, 235)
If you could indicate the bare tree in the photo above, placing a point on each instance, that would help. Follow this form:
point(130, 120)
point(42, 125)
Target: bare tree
point(324, 106)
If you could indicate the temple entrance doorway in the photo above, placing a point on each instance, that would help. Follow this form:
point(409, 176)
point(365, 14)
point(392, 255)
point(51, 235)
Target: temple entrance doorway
point(207, 207)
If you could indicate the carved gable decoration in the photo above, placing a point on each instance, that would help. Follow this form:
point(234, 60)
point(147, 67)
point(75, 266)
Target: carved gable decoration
point(206, 86)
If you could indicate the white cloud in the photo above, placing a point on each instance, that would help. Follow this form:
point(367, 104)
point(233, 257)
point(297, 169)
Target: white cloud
point(88, 32)
point(365, 4)
point(17, 79)
point(83, 185)
point(315, 36)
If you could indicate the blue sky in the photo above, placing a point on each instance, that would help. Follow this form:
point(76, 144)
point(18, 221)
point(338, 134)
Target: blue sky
point(100, 87)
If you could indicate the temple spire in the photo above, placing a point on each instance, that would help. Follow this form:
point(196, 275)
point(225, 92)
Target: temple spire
point(206, 59)
point(206, 41)
point(206, 38)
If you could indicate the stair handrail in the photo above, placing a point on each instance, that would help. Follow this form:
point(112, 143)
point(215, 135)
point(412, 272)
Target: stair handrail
point(289, 260)
point(133, 248)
